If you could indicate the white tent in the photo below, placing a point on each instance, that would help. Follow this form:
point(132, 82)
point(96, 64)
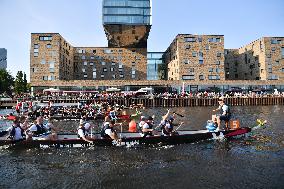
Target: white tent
point(52, 90)
point(112, 89)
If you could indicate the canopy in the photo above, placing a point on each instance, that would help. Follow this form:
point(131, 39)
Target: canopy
point(52, 90)
point(112, 89)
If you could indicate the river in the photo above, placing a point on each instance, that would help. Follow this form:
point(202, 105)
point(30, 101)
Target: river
point(255, 161)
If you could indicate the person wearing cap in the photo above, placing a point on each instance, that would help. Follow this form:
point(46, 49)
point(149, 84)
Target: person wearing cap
point(167, 124)
point(224, 115)
point(108, 130)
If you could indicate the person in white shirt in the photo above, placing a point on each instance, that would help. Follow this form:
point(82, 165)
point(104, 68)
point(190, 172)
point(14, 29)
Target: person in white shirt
point(16, 132)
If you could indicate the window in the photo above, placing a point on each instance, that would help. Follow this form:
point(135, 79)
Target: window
point(273, 49)
point(201, 62)
point(194, 54)
point(282, 52)
point(81, 51)
point(92, 57)
point(94, 51)
point(121, 76)
point(120, 65)
point(187, 46)
point(186, 61)
point(42, 61)
point(214, 40)
point(85, 63)
point(275, 41)
point(45, 38)
point(36, 46)
point(107, 51)
point(133, 64)
point(283, 70)
point(207, 47)
point(189, 39)
point(36, 50)
point(113, 64)
point(51, 78)
point(85, 75)
point(217, 70)
point(199, 39)
point(91, 63)
point(113, 76)
point(94, 69)
point(102, 76)
point(219, 55)
point(83, 57)
point(83, 70)
point(112, 69)
point(36, 54)
point(218, 62)
point(191, 70)
point(188, 77)
point(213, 77)
point(210, 69)
point(201, 77)
point(48, 46)
point(104, 69)
point(94, 75)
point(45, 78)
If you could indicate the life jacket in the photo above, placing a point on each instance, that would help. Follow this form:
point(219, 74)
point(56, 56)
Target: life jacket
point(13, 132)
point(228, 113)
point(40, 129)
point(84, 131)
point(105, 127)
point(166, 130)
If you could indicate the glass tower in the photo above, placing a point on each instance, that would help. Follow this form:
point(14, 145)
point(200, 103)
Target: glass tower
point(127, 23)
point(127, 12)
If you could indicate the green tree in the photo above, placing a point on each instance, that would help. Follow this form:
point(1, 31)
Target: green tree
point(20, 85)
point(6, 82)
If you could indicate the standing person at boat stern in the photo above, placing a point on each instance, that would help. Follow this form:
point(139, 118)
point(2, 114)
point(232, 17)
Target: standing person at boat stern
point(167, 124)
point(225, 114)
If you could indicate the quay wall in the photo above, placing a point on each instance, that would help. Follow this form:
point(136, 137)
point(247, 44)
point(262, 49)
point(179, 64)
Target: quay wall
point(166, 102)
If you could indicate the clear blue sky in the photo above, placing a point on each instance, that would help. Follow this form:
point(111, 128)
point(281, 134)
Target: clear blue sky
point(80, 23)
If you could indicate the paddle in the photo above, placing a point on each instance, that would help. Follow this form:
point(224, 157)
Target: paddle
point(178, 114)
point(178, 127)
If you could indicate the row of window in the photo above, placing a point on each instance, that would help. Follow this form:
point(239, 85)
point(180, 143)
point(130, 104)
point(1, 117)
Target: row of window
point(201, 77)
point(126, 3)
point(200, 39)
point(49, 78)
point(45, 38)
point(186, 61)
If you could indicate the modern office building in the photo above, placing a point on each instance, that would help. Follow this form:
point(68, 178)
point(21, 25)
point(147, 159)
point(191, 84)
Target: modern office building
point(156, 67)
point(262, 59)
point(3, 58)
point(196, 57)
point(127, 23)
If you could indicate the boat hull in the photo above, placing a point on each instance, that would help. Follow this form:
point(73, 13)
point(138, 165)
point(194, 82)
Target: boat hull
point(181, 137)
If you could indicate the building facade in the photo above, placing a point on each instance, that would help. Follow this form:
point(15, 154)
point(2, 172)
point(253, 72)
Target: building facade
point(3, 58)
point(127, 24)
point(262, 59)
point(196, 57)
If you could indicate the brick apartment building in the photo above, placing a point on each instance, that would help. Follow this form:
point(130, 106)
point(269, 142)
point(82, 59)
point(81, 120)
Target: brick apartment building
point(127, 25)
point(262, 59)
point(193, 59)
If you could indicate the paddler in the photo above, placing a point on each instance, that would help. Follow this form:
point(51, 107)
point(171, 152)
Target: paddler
point(83, 134)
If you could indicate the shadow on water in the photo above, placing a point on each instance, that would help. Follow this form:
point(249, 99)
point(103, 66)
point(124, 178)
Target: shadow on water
point(255, 161)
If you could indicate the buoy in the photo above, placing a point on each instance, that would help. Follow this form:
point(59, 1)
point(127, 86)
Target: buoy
point(132, 126)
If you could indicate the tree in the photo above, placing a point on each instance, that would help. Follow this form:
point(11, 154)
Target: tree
point(20, 85)
point(6, 82)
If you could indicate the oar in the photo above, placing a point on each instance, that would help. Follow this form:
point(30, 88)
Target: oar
point(178, 114)
point(178, 127)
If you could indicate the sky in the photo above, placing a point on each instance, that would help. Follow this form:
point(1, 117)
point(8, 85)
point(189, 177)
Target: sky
point(80, 23)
